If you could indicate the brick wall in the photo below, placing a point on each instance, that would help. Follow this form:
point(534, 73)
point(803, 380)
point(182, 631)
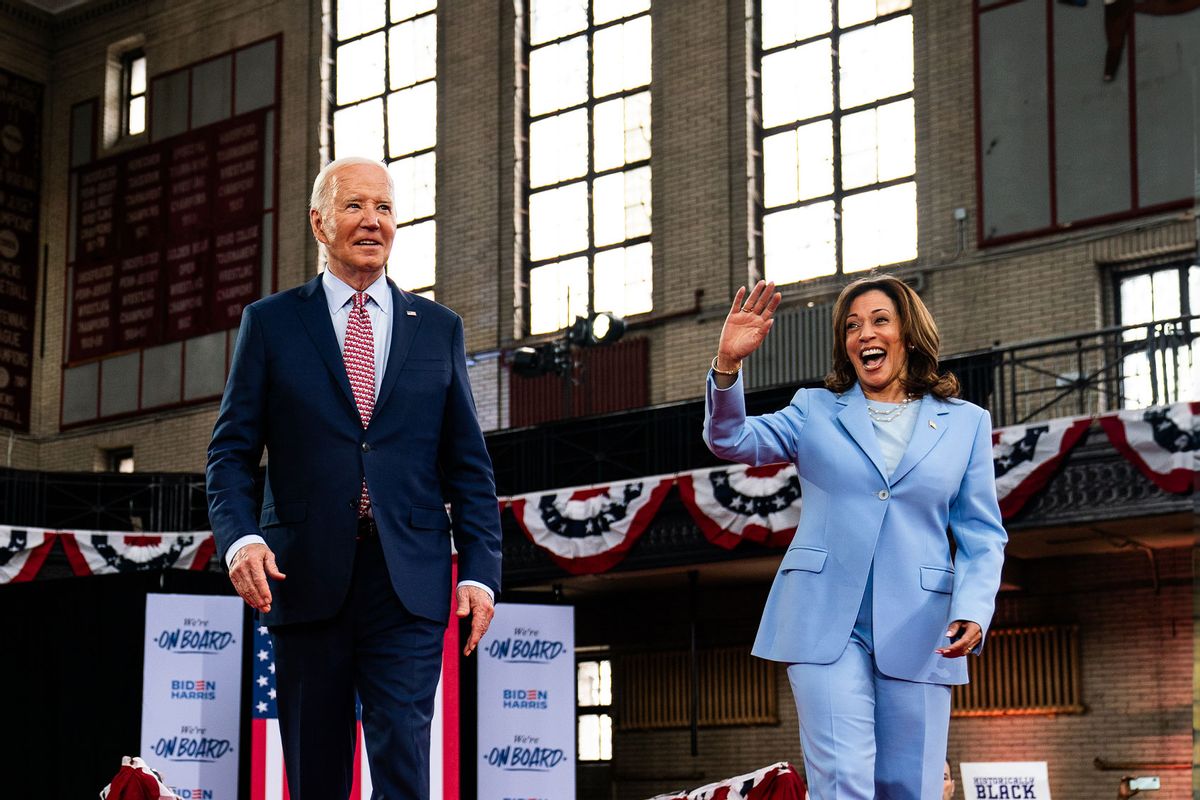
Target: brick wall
point(1033, 289)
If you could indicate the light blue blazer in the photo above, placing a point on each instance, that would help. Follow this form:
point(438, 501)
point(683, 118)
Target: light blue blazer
point(854, 514)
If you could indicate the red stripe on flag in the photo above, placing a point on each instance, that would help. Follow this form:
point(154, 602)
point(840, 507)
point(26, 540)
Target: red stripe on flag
point(356, 784)
point(450, 719)
point(258, 759)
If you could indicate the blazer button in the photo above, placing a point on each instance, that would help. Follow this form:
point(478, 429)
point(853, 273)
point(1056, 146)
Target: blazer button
point(883, 494)
point(366, 448)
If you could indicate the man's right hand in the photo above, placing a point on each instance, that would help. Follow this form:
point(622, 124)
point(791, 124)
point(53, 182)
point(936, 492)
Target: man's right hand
point(251, 567)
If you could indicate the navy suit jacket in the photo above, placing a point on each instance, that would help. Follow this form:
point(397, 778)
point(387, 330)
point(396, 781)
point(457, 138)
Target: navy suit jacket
point(855, 514)
point(288, 392)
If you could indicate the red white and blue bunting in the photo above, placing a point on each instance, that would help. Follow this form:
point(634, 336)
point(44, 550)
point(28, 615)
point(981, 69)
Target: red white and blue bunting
point(1163, 442)
point(777, 782)
point(589, 529)
point(22, 552)
point(1026, 456)
point(103, 553)
point(735, 503)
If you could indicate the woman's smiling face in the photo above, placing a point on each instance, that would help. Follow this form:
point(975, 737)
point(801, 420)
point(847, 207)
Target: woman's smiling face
point(875, 346)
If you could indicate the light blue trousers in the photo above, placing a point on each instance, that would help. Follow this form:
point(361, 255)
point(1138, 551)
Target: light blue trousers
point(867, 736)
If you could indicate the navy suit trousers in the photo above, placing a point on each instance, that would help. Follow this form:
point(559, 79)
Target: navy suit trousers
point(391, 658)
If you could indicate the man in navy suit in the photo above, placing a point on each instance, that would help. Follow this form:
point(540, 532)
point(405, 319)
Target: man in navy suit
point(359, 393)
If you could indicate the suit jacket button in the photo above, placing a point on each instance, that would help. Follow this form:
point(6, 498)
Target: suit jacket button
point(352, 504)
point(883, 494)
point(366, 448)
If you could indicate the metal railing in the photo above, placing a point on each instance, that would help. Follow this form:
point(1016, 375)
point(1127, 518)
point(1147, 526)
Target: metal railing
point(1085, 373)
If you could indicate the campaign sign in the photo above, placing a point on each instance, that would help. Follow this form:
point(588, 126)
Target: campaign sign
point(1005, 780)
point(191, 693)
point(526, 701)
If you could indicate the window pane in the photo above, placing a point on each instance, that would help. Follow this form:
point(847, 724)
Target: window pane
point(624, 286)
point(406, 9)
point(595, 737)
point(797, 84)
point(594, 678)
point(622, 57)
point(415, 181)
point(1167, 297)
point(879, 227)
point(359, 16)
point(607, 10)
point(1194, 290)
point(412, 119)
point(878, 145)
point(852, 12)
point(558, 148)
point(622, 131)
point(553, 19)
point(622, 206)
point(413, 52)
point(558, 76)
point(413, 256)
point(798, 165)
point(360, 69)
point(798, 243)
point(1136, 305)
point(137, 115)
point(137, 75)
point(876, 62)
point(557, 294)
point(358, 130)
point(786, 21)
point(558, 221)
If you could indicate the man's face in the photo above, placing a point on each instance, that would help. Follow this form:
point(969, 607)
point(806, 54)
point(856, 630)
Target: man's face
point(359, 230)
point(947, 782)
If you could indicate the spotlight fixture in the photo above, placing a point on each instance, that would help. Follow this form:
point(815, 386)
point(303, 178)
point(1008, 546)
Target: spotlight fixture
point(531, 362)
point(603, 328)
point(607, 328)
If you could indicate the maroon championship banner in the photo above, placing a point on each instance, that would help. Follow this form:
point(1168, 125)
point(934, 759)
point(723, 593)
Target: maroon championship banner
point(20, 163)
point(169, 239)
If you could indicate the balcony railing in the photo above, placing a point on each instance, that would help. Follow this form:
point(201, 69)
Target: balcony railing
point(1087, 373)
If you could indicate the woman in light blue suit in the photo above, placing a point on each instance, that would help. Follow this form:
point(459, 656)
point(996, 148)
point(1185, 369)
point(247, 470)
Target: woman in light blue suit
point(869, 609)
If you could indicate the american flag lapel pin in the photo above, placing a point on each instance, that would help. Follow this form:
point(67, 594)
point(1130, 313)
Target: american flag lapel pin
point(412, 313)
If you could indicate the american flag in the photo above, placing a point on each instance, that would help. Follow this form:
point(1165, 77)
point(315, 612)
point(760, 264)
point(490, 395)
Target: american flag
point(267, 780)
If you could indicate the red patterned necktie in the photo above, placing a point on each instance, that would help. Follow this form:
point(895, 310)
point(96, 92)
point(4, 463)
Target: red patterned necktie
point(359, 355)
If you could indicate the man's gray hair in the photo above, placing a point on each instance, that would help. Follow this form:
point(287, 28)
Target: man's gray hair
point(321, 199)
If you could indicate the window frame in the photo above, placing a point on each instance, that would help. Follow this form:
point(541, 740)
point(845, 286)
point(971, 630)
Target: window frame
point(590, 174)
point(128, 59)
point(759, 133)
point(596, 710)
point(1182, 268)
point(334, 107)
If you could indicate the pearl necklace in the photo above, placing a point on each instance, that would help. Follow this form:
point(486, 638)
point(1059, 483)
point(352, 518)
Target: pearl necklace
point(888, 414)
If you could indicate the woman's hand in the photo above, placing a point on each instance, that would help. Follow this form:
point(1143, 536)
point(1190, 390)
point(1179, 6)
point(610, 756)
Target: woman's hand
point(747, 324)
point(964, 637)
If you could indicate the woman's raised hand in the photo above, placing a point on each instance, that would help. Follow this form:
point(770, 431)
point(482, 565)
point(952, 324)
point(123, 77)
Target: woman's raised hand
point(747, 324)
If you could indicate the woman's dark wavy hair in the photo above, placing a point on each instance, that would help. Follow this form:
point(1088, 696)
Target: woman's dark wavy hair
point(918, 332)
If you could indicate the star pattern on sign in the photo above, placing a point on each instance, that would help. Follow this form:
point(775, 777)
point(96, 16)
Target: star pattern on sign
point(263, 689)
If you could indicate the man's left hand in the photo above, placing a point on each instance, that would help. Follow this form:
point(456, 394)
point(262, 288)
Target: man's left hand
point(478, 603)
point(964, 637)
